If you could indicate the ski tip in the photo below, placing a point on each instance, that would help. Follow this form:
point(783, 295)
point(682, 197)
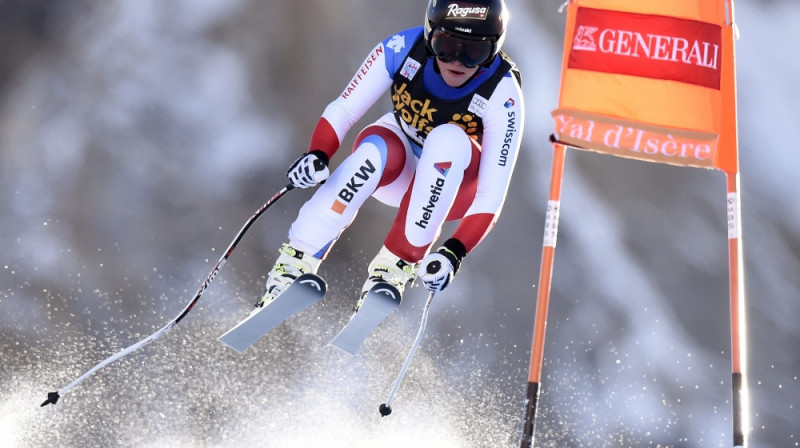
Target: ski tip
point(52, 397)
point(385, 410)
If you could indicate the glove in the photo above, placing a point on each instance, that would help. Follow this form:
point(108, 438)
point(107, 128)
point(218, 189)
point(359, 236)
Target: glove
point(309, 170)
point(438, 268)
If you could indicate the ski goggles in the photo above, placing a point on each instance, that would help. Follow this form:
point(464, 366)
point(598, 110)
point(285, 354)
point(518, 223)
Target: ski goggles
point(449, 47)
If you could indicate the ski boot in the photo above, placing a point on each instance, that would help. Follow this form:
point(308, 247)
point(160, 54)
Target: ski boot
point(291, 264)
point(387, 268)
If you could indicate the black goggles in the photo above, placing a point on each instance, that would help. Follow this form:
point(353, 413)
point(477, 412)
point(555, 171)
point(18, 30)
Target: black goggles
point(449, 47)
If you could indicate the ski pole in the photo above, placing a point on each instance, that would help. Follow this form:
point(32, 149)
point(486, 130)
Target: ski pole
point(52, 397)
point(386, 408)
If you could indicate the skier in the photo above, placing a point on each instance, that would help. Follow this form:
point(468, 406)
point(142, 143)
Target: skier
point(445, 152)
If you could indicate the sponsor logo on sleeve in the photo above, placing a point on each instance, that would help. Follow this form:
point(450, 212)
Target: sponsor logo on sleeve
point(362, 72)
point(397, 43)
point(511, 130)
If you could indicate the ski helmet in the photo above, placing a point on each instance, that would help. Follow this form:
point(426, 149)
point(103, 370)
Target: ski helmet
point(471, 32)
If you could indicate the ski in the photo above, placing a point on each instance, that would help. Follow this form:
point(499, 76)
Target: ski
point(380, 301)
point(307, 290)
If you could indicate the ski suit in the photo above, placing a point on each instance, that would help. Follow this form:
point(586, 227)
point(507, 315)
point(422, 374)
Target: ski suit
point(442, 153)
